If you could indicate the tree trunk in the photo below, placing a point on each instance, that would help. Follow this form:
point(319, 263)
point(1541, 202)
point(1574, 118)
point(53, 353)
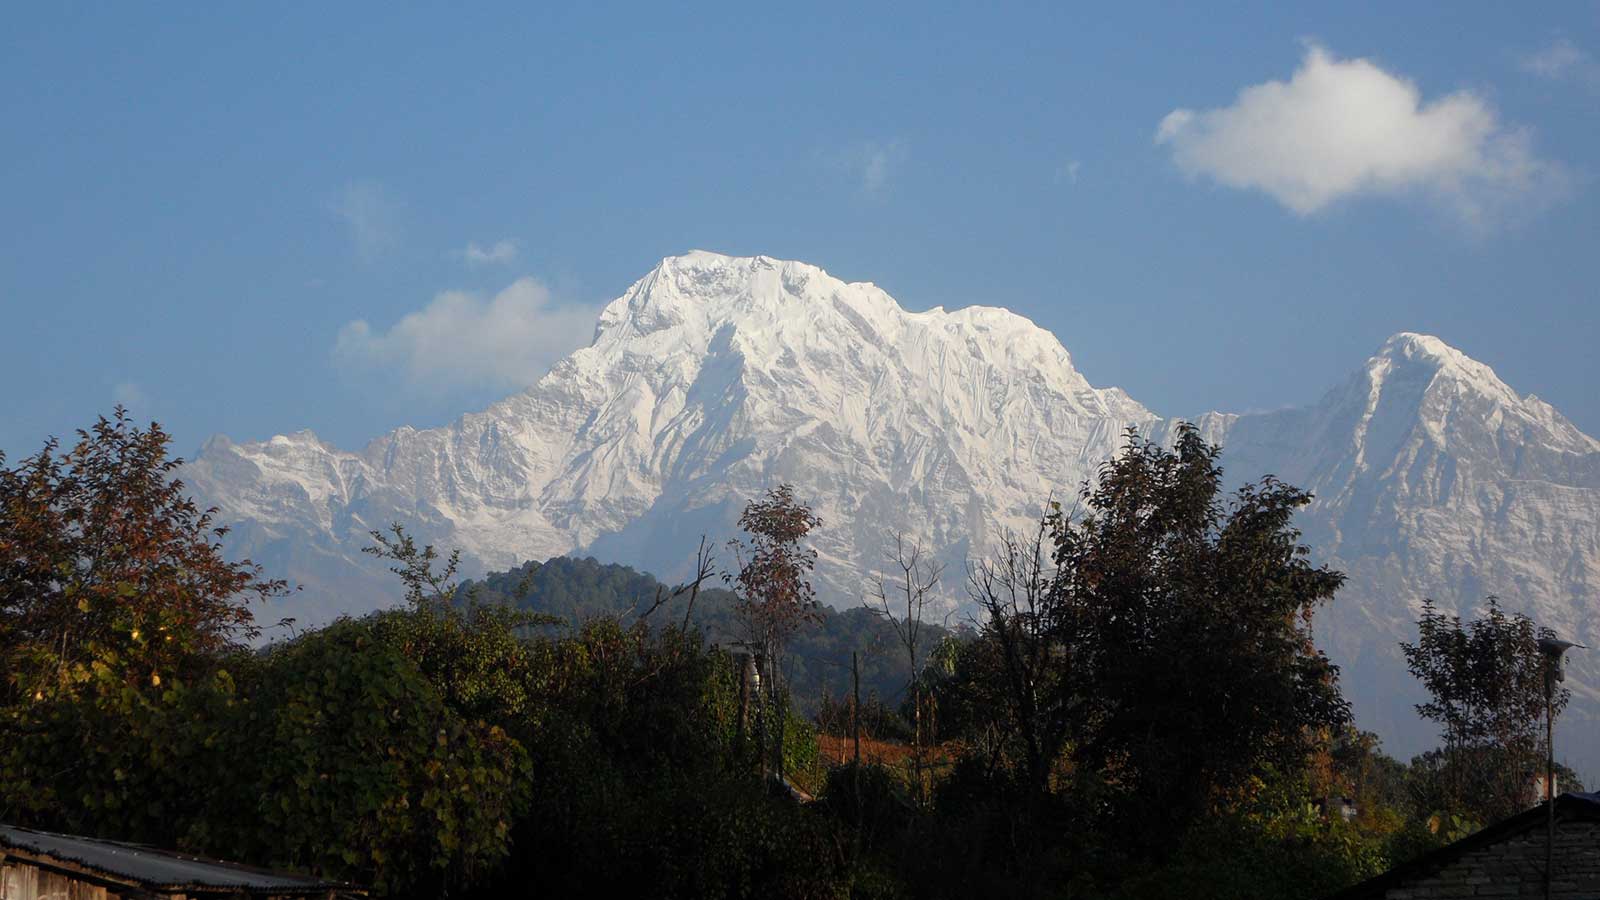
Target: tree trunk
point(916, 740)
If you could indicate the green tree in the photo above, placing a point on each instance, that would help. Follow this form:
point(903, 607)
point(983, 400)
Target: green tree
point(1165, 644)
point(476, 654)
point(156, 765)
point(120, 622)
point(969, 689)
point(355, 765)
point(1486, 680)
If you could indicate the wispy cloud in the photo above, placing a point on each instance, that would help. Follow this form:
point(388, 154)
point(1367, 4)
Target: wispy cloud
point(498, 253)
point(1344, 128)
point(1561, 60)
point(871, 163)
point(372, 216)
point(462, 339)
point(1067, 172)
point(131, 396)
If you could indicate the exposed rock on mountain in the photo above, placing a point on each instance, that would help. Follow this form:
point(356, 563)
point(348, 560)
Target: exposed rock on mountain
point(714, 378)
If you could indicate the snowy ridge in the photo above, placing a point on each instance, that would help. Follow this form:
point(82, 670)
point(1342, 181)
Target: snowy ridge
point(711, 379)
point(714, 378)
point(1434, 479)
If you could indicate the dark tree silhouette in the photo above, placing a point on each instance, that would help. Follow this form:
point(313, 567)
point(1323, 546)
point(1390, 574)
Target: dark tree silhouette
point(1165, 643)
point(1486, 678)
point(904, 604)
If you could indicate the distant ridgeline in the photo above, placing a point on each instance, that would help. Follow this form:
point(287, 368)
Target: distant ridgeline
point(817, 660)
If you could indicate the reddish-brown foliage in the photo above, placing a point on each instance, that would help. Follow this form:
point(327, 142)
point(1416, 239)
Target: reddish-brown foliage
point(773, 584)
point(840, 749)
point(105, 562)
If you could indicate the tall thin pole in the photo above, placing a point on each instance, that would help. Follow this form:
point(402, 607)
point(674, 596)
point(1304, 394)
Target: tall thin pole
point(780, 699)
point(1553, 648)
point(855, 732)
point(763, 753)
point(855, 709)
point(1549, 779)
point(747, 677)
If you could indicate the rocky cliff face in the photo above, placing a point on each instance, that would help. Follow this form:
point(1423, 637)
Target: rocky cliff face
point(714, 378)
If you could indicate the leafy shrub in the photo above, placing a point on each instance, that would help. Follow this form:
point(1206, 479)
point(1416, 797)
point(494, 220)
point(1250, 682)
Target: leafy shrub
point(1275, 844)
point(363, 771)
point(134, 762)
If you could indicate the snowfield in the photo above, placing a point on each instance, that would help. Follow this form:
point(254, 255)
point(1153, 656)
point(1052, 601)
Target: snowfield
point(714, 378)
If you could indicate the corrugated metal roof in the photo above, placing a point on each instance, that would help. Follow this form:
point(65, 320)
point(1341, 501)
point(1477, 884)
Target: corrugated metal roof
point(158, 869)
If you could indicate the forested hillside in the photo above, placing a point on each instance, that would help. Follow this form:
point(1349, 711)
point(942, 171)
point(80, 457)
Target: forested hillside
point(818, 662)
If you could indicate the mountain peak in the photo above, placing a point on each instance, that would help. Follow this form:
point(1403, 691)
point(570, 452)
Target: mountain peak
point(694, 294)
point(702, 267)
point(1427, 349)
point(700, 259)
point(1413, 357)
point(1418, 377)
point(716, 377)
point(1412, 342)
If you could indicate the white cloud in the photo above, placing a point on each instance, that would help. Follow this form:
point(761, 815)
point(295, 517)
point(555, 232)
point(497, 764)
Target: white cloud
point(1068, 172)
point(1562, 61)
point(372, 216)
point(463, 340)
point(501, 253)
point(131, 396)
point(880, 158)
point(1342, 128)
point(872, 163)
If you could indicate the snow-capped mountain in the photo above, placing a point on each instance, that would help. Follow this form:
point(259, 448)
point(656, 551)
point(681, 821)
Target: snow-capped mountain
point(714, 378)
point(1433, 478)
point(709, 381)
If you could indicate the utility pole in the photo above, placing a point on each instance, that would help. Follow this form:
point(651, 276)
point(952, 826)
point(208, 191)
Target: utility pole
point(1554, 649)
point(855, 709)
point(855, 732)
point(747, 668)
point(761, 713)
point(1549, 780)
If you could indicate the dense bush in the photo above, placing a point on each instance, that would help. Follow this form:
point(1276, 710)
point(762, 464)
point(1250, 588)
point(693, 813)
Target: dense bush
point(150, 763)
point(365, 771)
point(331, 754)
point(1274, 843)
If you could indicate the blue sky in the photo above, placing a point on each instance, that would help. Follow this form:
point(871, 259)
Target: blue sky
point(200, 202)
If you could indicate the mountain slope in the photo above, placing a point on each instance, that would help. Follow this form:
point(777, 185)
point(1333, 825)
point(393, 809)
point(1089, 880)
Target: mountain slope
point(709, 381)
point(1433, 478)
point(714, 378)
